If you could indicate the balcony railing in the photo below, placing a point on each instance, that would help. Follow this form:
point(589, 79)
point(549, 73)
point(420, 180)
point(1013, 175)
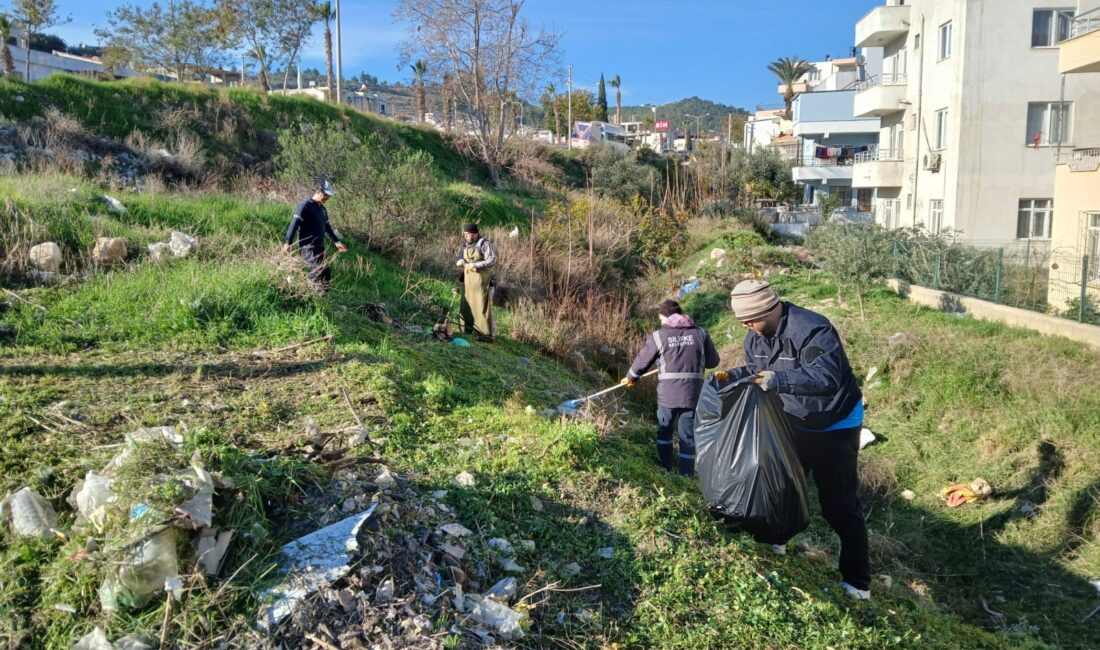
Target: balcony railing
point(1080, 160)
point(884, 79)
point(1086, 23)
point(879, 154)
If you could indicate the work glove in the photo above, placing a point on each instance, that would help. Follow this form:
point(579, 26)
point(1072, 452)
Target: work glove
point(721, 375)
point(470, 268)
point(766, 380)
point(628, 382)
point(460, 263)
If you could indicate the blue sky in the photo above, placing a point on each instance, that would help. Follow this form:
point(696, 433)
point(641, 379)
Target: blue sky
point(664, 51)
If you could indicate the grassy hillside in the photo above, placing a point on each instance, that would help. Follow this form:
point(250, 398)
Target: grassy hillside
point(200, 343)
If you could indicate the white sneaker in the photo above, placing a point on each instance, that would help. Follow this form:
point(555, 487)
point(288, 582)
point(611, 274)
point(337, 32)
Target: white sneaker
point(780, 549)
point(858, 594)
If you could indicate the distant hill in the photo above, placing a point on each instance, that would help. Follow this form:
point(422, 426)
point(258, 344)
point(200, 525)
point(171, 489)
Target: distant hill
point(677, 113)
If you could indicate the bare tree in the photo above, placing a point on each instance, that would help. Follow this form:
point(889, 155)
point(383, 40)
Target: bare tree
point(492, 55)
point(297, 26)
point(273, 32)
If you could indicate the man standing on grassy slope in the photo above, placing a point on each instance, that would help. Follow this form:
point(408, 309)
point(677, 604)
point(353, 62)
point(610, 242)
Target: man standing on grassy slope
point(477, 258)
point(798, 354)
point(682, 351)
point(310, 225)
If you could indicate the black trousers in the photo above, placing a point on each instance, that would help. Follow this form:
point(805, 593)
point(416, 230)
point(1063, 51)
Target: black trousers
point(831, 458)
point(319, 269)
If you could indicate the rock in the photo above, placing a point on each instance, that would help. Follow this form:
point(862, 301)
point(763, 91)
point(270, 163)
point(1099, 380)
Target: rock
point(607, 552)
point(717, 253)
point(46, 257)
point(885, 580)
point(530, 410)
point(536, 504)
point(159, 251)
point(509, 564)
point(571, 569)
point(503, 591)
point(721, 262)
point(505, 620)
point(502, 546)
point(113, 204)
point(457, 552)
point(465, 479)
point(346, 600)
point(182, 244)
point(908, 495)
point(456, 530)
point(385, 480)
point(109, 250)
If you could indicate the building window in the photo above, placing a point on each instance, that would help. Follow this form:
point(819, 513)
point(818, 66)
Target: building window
point(1050, 27)
point(940, 139)
point(1048, 123)
point(844, 196)
point(944, 50)
point(864, 198)
point(1093, 249)
point(935, 216)
point(1033, 219)
point(815, 74)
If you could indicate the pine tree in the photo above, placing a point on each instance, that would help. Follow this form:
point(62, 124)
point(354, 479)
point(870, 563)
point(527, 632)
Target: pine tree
point(601, 101)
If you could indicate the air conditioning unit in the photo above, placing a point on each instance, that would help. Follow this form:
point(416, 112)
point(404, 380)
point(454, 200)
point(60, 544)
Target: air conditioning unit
point(932, 162)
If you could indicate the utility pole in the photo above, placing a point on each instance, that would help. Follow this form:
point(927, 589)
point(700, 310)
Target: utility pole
point(569, 101)
point(339, 63)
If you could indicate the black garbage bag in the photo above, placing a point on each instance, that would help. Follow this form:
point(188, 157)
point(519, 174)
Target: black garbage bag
point(747, 462)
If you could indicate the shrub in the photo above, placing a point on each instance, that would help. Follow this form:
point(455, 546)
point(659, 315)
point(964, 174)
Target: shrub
point(742, 240)
point(617, 175)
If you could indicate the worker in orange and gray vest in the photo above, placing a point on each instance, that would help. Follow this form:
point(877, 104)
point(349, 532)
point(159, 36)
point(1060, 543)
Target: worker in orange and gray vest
point(682, 351)
point(477, 258)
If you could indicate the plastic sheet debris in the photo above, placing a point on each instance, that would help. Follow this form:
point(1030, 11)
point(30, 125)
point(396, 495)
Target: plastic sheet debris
point(607, 552)
point(690, 287)
point(506, 621)
point(211, 549)
point(97, 640)
point(509, 564)
point(31, 514)
point(312, 562)
point(198, 511)
point(460, 342)
point(504, 590)
point(963, 493)
point(142, 575)
point(94, 499)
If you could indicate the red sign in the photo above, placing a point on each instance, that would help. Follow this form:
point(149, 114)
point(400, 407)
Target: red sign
point(660, 125)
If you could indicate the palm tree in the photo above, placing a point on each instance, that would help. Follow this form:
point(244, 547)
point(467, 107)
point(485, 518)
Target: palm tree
point(420, 68)
point(616, 83)
point(326, 13)
point(552, 92)
point(789, 70)
point(5, 52)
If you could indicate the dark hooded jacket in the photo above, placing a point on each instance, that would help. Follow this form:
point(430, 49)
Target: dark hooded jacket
point(813, 376)
point(682, 352)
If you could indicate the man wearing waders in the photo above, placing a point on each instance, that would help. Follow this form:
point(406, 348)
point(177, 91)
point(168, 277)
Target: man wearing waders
point(797, 354)
point(682, 351)
point(477, 258)
point(310, 225)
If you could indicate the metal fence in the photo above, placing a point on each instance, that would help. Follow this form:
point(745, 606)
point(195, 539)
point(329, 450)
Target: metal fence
point(1025, 274)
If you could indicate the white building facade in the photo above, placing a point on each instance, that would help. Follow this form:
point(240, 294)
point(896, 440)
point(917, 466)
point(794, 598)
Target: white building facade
point(972, 114)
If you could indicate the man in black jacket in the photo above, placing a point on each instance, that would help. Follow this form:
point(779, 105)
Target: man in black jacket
point(310, 225)
point(798, 354)
point(682, 351)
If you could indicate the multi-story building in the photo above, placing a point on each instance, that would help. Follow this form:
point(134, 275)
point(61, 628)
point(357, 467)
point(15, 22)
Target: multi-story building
point(972, 111)
point(765, 125)
point(1075, 233)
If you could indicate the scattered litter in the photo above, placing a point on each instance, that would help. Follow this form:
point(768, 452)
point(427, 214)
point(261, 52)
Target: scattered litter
point(458, 341)
point(908, 495)
point(871, 374)
point(62, 607)
point(503, 591)
point(506, 621)
point(174, 586)
point(211, 549)
point(514, 233)
point(182, 244)
point(198, 511)
point(509, 564)
point(141, 575)
point(465, 479)
point(456, 530)
point(31, 515)
point(866, 437)
point(527, 544)
point(159, 251)
point(502, 545)
point(94, 640)
point(384, 592)
point(607, 552)
point(690, 287)
point(584, 615)
point(963, 493)
point(113, 204)
point(417, 329)
point(1096, 584)
point(94, 499)
point(313, 562)
point(571, 569)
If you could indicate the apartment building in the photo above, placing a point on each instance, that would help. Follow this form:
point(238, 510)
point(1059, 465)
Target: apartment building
point(972, 114)
point(1075, 232)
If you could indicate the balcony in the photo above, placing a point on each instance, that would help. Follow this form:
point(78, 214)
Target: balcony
point(821, 169)
point(796, 87)
point(878, 168)
point(882, 25)
point(880, 95)
point(1080, 160)
point(1081, 52)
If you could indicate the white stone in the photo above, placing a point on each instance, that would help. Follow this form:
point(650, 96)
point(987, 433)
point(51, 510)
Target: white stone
point(456, 530)
point(908, 495)
point(717, 253)
point(109, 250)
point(465, 479)
point(182, 244)
point(502, 545)
point(46, 257)
point(159, 251)
point(113, 204)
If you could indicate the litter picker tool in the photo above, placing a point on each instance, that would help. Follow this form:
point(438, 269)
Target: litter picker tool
point(569, 406)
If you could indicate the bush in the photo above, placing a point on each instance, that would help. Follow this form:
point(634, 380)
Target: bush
point(617, 175)
point(742, 240)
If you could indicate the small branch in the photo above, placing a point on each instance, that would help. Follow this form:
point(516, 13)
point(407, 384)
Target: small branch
point(319, 641)
point(21, 298)
point(302, 345)
point(553, 586)
point(1091, 614)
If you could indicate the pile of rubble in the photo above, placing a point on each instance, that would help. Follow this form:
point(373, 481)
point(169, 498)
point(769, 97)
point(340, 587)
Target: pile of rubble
point(401, 572)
